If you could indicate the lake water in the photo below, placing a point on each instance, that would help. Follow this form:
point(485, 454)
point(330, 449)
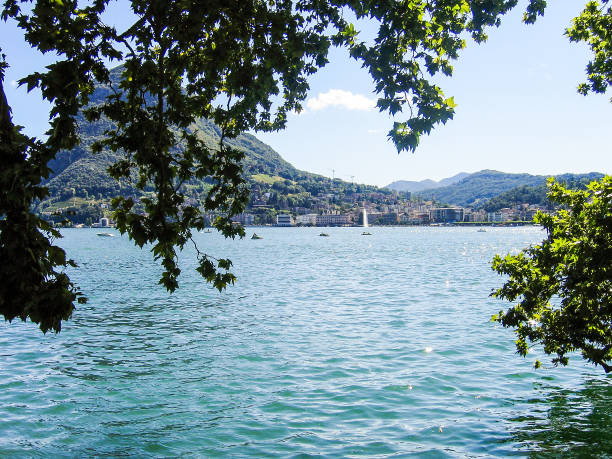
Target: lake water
point(344, 346)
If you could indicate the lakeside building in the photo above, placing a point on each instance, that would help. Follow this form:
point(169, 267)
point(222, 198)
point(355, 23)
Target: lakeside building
point(474, 216)
point(373, 218)
point(495, 217)
point(389, 218)
point(103, 223)
point(333, 220)
point(244, 219)
point(308, 219)
point(284, 220)
point(446, 214)
point(528, 214)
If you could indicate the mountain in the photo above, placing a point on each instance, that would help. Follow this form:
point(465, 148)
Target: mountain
point(528, 194)
point(454, 179)
point(412, 187)
point(84, 171)
point(80, 177)
point(479, 187)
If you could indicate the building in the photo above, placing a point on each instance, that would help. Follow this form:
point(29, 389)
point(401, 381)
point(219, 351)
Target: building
point(475, 216)
point(389, 218)
point(373, 218)
point(333, 220)
point(308, 219)
point(446, 214)
point(495, 217)
point(244, 219)
point(284, 220)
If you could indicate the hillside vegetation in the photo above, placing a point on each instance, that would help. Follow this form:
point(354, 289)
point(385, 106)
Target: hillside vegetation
point(537, 195)
point(80, 183)
point(478, 188)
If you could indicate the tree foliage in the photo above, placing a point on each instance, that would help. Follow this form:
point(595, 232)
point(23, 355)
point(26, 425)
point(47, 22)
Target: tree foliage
point(33, 283)
point(564, 285)
point(594, 27)
point(243, 65)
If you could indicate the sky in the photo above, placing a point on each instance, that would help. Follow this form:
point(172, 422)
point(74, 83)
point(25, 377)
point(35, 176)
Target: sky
point(518, 110)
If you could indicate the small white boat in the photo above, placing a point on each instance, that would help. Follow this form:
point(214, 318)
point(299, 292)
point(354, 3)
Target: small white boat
point(365, 233)
point(256, 236)
point(481, 230)
point(105, 234)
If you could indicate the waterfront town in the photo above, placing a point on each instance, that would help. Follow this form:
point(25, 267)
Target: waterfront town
point(386, 209)
point(382, 209)
point(403, 213)
point(275, 206)
point(425, 213)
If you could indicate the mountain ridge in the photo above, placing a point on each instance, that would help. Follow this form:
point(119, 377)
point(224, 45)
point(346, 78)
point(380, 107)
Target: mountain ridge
point(427, 184)
point(80, 183)
point(479, 187)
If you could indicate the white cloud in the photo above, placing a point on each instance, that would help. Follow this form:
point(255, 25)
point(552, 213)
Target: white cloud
point(342, 99)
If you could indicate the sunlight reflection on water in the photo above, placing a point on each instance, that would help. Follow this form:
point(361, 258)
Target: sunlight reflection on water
point(341, 346)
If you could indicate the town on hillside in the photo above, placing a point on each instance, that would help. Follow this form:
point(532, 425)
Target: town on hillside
point(325, 209)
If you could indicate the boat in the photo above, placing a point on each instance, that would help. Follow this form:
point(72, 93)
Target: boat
point(255, 236)
point(324, 234)
point(365, 233)
point(105, 234)
point(207, 231)
point(481, 230)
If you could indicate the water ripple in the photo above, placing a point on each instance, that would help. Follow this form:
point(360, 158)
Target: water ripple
point(339, 346)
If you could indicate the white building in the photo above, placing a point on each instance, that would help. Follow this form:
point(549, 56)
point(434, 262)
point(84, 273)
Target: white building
point(308, 219)
point(284, 220)
point(333, 220)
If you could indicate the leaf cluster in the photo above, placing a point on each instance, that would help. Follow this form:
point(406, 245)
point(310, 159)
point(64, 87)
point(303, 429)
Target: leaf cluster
point(563, 286)
point(34, 284)
point(594, 27)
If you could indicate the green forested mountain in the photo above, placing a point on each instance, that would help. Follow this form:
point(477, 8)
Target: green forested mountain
point(480, 187)
point(85, 171)
point(81, 176)
point(524, 194)
point(527, 194)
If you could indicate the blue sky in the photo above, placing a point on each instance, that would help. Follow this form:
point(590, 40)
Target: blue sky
point(518, 110)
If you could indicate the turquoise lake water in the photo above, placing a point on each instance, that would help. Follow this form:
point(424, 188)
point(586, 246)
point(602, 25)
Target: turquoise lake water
point(346, 346)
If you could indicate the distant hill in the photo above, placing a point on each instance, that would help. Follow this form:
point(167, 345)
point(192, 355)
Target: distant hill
point(412, 187)
point(527, 194)
point(479, 187)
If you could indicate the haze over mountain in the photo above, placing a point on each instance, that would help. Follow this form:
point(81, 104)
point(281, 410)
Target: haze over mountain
point(412, 186)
